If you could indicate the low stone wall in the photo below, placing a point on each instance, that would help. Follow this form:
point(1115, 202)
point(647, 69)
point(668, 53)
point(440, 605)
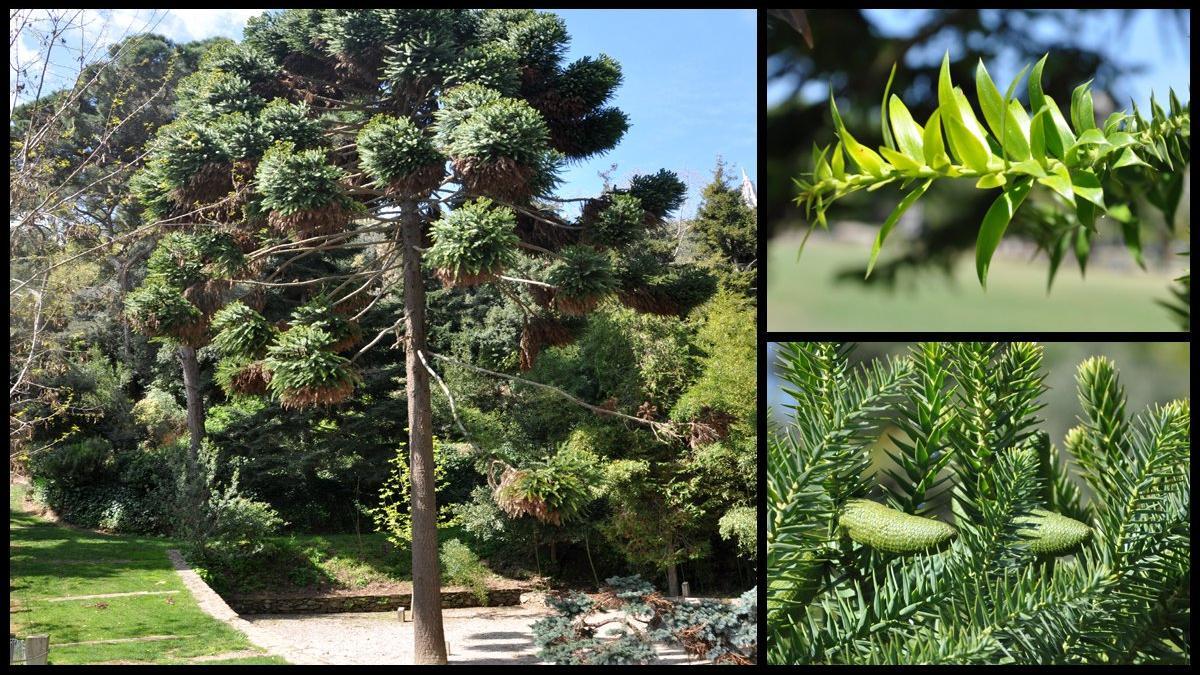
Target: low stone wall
point(364, 603)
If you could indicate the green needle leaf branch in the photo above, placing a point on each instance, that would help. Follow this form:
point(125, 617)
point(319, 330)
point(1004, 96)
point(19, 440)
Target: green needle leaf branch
point(1085, 166)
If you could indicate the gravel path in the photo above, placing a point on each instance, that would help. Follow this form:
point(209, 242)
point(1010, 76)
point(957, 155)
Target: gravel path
point(477, 635)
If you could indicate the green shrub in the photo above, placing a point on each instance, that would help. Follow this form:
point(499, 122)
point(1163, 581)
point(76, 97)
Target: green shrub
point(77, 463)
point(160, 414)
point(461, 567)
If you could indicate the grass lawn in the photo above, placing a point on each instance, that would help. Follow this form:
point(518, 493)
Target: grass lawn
point(804, 296)
point(48, 561)
point(330, 562)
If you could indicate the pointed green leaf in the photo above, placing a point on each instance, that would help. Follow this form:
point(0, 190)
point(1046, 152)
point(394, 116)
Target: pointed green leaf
point(899, 160)
point(1176, 108)
point(1082, 114)
point(821, 167)
point(1156, 109)
point(965, 146)
point(991, 180)
point(934, 150)
point(1087, 185)
point(995, 222)
point(1060, 182)
point(875, 186)
point(909, 200)
point(1005, 120)
point(1017, 112)
point(1130, 231)
point(907, 132)
point(967, 116)
point(1036, 97)
point(1085, 211)
point(883, 112)
point(1119, 139)
point(1058, 135)
point(1137, 115)
point(1110, 124)
point(971, 151)
point(1057, 251)
point(1090, 137)
point(1030, 168)
point(863, 157)
point(1083, 244)
point(989, 99)
point(1037, 135)
point(1129, 158)
point(838, 163)
point(1161, 148)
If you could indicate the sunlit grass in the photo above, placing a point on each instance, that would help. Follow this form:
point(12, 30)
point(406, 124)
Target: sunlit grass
point(49, 562)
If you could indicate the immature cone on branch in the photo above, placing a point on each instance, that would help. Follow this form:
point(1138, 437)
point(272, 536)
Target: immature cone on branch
point(875, 525)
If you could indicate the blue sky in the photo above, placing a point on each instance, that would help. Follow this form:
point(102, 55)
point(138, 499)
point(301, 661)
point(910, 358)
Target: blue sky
point(1150, 43)
point(690, 86)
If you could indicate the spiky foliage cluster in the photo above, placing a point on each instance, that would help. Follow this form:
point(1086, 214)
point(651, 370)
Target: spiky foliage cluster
point(650, 285)
point(553, 490)
point(209, 93)
point(241, 335)
point(241, 332)
point(248, 136)
point(722, 633)
point(292, 181)
point(473, 243)
point(185, 284)
point(661, 193)
point(305, 371)
point(499, 145)
point(582, 276)
point(396, 152)
point(618, 222)
point(319, 313)
point(160, 310)
point(240, 60)
point(1022, 581)
point(1090, 170)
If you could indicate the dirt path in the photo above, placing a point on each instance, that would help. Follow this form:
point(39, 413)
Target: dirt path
point(477, 635)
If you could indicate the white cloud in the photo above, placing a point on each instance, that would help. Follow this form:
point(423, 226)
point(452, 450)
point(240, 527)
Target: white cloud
point(198, 24)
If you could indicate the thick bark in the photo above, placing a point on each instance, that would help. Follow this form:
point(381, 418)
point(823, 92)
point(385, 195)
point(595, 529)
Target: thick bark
point(430, 646)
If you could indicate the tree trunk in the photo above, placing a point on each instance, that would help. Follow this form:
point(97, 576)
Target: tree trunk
point(429, 646)
point(587, 547)
point(672, 571)
point(195, 421)
point(673, 580)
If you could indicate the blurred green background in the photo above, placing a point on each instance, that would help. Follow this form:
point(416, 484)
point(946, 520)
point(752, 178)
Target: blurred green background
point(1151, 372)
point(808, 295)
point(925, 277)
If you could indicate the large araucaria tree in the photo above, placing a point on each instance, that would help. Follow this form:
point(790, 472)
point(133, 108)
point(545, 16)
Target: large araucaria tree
point(336, 157)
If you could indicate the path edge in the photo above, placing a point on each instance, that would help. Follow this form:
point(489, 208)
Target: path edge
point(216, 607)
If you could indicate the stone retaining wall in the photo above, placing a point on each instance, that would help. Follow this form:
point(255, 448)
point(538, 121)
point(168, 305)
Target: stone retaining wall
point(364, 603)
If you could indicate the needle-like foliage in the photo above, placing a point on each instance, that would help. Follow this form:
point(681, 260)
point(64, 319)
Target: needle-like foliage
point(1032, 575)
